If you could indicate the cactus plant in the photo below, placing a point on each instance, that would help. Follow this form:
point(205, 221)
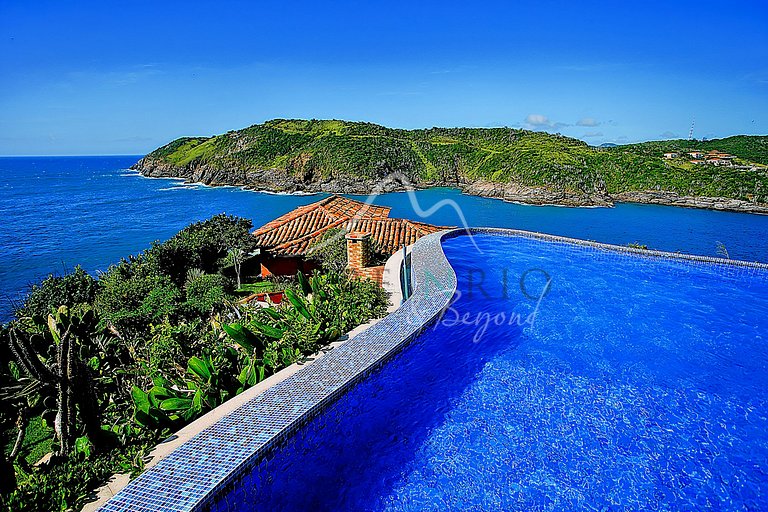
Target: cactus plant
point(61, 381)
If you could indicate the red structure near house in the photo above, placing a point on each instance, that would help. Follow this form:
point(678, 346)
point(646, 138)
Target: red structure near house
point(286, 241)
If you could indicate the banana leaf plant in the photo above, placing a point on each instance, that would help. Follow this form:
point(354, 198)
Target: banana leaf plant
point(167, 404)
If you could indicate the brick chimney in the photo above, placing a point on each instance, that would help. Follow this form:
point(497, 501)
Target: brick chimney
point(358, 250)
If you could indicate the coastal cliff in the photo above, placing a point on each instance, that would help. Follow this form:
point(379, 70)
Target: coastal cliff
point(510, 164)
point(538, 196)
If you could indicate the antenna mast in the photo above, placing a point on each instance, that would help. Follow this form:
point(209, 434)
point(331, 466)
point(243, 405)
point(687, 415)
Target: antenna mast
point(690, 132)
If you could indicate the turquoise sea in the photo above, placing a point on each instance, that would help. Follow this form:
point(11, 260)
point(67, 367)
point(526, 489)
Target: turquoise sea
point(57, 212)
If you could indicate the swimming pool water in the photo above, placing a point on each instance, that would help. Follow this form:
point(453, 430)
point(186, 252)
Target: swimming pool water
point(561, 378)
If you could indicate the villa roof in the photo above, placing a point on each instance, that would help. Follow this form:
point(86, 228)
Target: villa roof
point(292, 234)
point(389, 235)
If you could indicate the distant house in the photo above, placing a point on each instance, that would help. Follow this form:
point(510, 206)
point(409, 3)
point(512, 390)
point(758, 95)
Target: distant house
point(713, 157)
point(285, 243)
point(669, 156)
point(719, 158)
point(719, 154)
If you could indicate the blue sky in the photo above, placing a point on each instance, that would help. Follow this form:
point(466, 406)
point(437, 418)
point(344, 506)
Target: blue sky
point(125, 77)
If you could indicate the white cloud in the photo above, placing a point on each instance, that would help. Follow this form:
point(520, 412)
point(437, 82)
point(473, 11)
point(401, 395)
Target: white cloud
point(588, 121)
point(669, 135)
point(537, 120)
point(593, 134)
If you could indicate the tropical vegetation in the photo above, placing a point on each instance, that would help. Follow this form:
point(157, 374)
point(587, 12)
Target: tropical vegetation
point(95, 371)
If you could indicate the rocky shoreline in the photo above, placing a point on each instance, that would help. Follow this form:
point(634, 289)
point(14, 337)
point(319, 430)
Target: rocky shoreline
point(539, 196)
point(283, 181)
point(272, 180)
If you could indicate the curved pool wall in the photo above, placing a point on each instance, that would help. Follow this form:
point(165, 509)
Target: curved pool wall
point(210, 464)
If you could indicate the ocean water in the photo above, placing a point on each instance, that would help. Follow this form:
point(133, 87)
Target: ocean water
point(561, 378)
point(58, 212)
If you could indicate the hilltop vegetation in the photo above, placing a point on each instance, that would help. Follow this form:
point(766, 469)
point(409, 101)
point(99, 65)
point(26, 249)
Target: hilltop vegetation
point(340, 156)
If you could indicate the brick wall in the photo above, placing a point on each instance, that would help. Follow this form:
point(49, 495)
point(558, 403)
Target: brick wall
point(358, 250)
point(374, 273)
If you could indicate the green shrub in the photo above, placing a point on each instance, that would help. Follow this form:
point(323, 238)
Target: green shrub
point(355, 302)
point(331, 250)
point(171, 361)
point(303, 335)
point(77, 287)
point(203, 245)
point(66, 486)
point(167, 348)
point(173, 259)
point(133, 295)
point(162, 300)
point(205, 293)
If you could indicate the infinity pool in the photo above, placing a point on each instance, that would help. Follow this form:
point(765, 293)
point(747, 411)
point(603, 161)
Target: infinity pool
point(562, 378)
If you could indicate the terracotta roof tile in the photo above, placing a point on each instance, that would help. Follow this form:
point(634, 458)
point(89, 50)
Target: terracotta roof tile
point(389, 235)
point(293, 233)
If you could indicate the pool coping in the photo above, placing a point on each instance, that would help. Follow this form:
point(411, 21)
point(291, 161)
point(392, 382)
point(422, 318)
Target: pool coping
point(202, 469)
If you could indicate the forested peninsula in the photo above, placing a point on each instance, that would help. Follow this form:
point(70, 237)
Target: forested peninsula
point(507, 163)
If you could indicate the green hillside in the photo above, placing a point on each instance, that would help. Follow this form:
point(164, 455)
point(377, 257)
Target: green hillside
point(306, 153)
